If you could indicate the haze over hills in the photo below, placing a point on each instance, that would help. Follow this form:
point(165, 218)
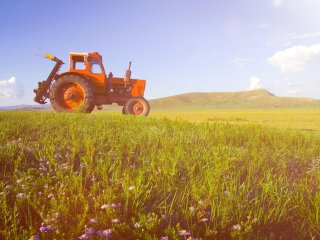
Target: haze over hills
point(219, 100)
point(212, 100)
point(25, 107)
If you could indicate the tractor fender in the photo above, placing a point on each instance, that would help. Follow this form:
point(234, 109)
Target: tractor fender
point(71, 73)
point(87, 78)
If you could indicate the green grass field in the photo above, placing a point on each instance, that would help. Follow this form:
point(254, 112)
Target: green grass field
point(223, 175)
point(302, 119)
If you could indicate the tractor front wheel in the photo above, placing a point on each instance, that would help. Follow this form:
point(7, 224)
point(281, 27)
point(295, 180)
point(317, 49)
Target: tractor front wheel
point(137, 106)
point(72, 93)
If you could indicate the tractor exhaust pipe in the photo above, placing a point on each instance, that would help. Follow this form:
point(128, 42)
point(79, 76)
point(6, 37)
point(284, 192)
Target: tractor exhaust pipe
point(127, 75)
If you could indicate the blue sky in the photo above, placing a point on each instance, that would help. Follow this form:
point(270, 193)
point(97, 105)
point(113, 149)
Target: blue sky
point(178, 46)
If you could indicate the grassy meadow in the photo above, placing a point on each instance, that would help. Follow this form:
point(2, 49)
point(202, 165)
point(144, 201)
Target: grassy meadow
point(102, 175)
point(302, 119)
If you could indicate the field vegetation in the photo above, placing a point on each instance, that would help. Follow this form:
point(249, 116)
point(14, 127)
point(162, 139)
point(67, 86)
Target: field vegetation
point(306, 120)
point(100, 175)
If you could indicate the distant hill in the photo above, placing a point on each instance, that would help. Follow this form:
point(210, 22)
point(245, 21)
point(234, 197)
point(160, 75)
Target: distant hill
point(220, 100)
point(25, 107)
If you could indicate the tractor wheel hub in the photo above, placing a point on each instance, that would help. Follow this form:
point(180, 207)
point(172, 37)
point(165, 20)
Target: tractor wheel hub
point(73, 96)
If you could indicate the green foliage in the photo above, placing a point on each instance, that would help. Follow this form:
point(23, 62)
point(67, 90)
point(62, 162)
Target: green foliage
point(145, 178)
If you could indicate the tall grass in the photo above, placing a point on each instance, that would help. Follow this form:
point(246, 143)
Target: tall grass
point(71, 176)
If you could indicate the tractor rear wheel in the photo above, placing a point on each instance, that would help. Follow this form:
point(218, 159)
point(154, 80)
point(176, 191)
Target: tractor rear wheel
point(137, 106)
point(72, 93)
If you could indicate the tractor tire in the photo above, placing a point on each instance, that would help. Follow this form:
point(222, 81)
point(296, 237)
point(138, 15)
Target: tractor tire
point(72, 93)
point(137, 106)
point(123, 111)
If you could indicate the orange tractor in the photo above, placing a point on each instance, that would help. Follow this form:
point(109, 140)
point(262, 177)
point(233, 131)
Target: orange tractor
point(86, 85)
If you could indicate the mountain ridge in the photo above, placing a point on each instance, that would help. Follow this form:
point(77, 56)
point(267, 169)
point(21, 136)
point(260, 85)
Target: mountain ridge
point(259, 98)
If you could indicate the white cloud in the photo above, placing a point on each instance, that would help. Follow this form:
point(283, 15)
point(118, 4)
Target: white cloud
point(293, 92)
point(287, 44)
point(10, 89)
point(290, 84)
point(307, 35)
point(241, 62)
point(255, 83)
point(294, 89)
point(296, 58)
point(278, 3)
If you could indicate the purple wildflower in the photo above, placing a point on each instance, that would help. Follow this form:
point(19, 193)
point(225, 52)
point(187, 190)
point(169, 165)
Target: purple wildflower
point(43, 168)
point(204, 220)
point(89, 231)
point(165, 238)
point(21, 195)
point(64, 166)
point(93, 220)
point(137, 225)
point(114, 205)
point(19, 180)
point(236, 227)
point(184, 233)
point(56, 215)
point(104, 206)
point(106, 232)
point(47, 228)
point(43, 229)
point(116, 220)
point(84, 237)
point(35, 237)
point(51, 227)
